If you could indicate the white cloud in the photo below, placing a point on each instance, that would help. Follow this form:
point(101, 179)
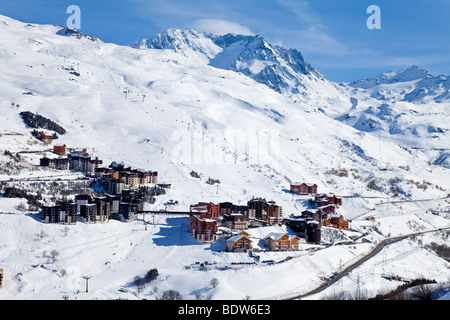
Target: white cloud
point(220, 27)
point(316, 40)
point(313, 34)
point(302, 10)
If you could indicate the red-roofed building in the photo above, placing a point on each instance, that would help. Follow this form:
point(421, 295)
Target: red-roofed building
point(337, 221)
point(44, 138)
point(328, 208)
point(324, 199)
point(60, 149)
point(206, 209)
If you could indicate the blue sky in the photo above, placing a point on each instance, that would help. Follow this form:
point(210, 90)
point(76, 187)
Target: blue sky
point(331, 34)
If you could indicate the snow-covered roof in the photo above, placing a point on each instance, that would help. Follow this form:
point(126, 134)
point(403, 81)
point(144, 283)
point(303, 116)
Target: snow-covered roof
point(236, 238)
point(321, 195)
point(306, 183)
point(327, 205)
point(275, 235)
point(297, 218)
point(311, 210)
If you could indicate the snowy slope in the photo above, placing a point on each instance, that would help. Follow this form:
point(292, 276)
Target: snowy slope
point(167, 111)
point(284, 70)
point(408, 106)
point(193, 117)
point(419, 86)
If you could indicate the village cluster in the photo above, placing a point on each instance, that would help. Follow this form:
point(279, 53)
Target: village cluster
point(124, 196)
point(209, 220)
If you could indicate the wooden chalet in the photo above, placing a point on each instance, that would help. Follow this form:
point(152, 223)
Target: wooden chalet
point(324, 199)
point(303, 188)
point(281, 242)
point(60, 149)
point(337, 221)
point(239, 243)
point(328, 208)
point(45, 138)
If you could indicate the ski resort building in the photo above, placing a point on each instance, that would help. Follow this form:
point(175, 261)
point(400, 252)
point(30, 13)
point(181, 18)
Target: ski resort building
point(281, 242)
point(328, 208)
point(98, 209)
point(228, 207)
point(59, 149)
point(337, 221)
point(236, 221)
point(126, 213)
point(313, 232)
point(203, 229)
point(64, 213)
point(83, 163)
point(60, 163)
point(132, 176)
point(112, 186)
point(45, 138)
point(88, 212)
point(260, 209)
point(306, 227)
point(239, 243)
point(206, 208)
point(316, 214)
point(103, 209)
point(303, 188)
point(325, 199)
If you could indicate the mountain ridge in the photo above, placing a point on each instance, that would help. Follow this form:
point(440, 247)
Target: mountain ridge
point(252, 55)
point(285, 70)
point(163, 111)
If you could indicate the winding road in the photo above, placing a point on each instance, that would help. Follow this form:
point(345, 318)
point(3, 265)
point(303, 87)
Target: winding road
point(380, 246)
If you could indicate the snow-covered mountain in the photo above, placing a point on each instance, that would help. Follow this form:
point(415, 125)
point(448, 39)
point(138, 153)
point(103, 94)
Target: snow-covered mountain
point(284, 70)
point(404, 75)
point(225, 107)
point(409, 107)
point(393, 106)
point(139, 105)
point(411, 84)
point(274, 66)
